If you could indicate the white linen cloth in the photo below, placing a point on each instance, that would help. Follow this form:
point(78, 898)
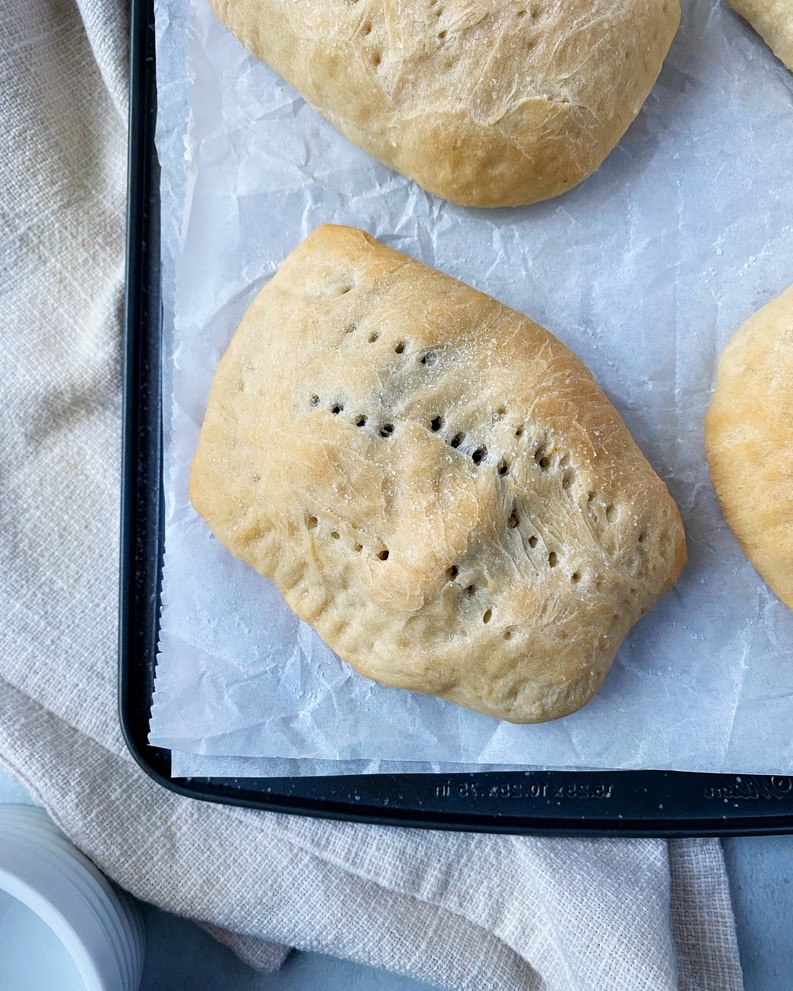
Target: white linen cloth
point(458, 911)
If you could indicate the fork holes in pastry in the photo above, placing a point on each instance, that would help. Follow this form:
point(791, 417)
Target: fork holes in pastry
point(611, 513)
point(567, 478)
point(351, 328)
point(382, 555)
point(519, 431)
point(376, 59)
point(335, 534)
point(357, 548)
point(311, 522)
point(313, 400)
point(514, 520)
point(532, 541)
point(386, 430)
point(470, 590)
point(575, 577)
point(503, 468)
point(366, 28)
point(452, 573)
point(429, 359)
point(488, 615)
point(553, 560)
point(541, 457)
point(457, 440)
point(642, 537)
point(361, 421)
point(336, 409)
point(441, 35)
point(400, 347)
point(436, 423)
point(479, 455)
point(375, 335)
point(507, 634)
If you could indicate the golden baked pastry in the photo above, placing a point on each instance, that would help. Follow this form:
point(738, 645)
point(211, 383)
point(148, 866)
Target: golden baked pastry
point(483, 102)
point(749, 441)
point(433, 481)
point(773, 21)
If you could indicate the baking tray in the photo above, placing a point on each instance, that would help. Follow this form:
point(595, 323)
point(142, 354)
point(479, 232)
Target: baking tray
point(598, 803)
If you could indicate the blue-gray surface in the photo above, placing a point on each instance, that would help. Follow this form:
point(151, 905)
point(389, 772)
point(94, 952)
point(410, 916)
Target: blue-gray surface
point(180, 955)
point(761, 880)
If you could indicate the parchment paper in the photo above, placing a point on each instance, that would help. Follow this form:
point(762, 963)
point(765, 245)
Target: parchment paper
point(645, 270)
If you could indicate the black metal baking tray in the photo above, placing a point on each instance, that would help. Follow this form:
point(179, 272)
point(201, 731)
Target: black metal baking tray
point(621, 803)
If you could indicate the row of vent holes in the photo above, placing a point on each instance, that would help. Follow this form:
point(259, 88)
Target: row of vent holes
point(542, 460)
point(553, 558)
point(470, 591)
point(366, 30)
point(520, 14)
point(386, 430)
point(428, 359)
point(366, 27)
point(312, 522)
point(477, 456)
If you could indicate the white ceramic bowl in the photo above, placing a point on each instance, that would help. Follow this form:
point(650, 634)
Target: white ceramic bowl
point(64, 924)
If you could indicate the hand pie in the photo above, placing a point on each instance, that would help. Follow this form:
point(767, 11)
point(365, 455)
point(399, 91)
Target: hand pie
point(434, 482)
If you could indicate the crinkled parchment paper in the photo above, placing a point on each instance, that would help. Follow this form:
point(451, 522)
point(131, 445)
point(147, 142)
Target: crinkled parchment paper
point(645, 271)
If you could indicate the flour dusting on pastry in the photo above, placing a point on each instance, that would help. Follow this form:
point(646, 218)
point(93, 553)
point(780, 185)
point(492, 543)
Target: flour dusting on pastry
point(434, 482)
